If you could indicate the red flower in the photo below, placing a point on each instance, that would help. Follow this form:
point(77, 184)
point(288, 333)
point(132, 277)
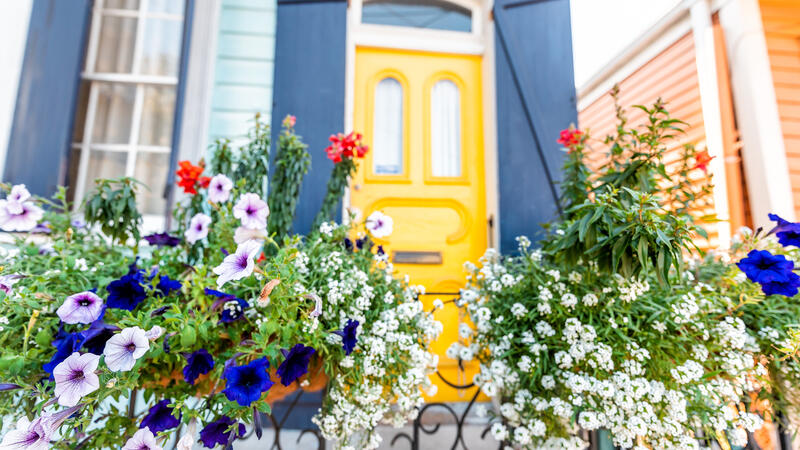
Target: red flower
point(348, 146)
point(702, 160)
point(570, 137)
point(189, 177)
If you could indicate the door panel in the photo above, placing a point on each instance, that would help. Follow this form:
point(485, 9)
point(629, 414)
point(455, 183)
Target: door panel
point(421, 116)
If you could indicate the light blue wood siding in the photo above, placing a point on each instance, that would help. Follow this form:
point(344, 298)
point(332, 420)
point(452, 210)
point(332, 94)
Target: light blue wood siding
point(244, 67)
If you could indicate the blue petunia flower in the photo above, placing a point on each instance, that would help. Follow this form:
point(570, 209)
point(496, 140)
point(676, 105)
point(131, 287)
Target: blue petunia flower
point(197, 363)
point(166, 285)
point(788, 287)
point(295, 363)
point(96, 336)
point(245, 384)
point(126, 292)
point(232, 306)
point(162, 239)
point(788, 233)
point(349, 336)
point(217, 432)
point(762, 266)
point(160, 417)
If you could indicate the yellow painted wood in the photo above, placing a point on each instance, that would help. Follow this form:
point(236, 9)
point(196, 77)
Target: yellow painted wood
point(446, 215)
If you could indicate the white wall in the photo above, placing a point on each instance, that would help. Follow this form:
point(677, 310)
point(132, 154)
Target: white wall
point(14, 18)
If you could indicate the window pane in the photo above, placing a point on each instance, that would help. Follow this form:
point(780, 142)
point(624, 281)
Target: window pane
point(104, 165)
point(151, 169)
point(113, 116)
point(162, 47)
point(440, 15)
point(446, 129)
point(388, 128)
point(157, 114)
point(166, 6)
point(115, 51)
point(121, 4)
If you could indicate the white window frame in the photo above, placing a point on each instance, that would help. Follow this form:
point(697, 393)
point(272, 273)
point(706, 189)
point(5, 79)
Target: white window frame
point(132, 148)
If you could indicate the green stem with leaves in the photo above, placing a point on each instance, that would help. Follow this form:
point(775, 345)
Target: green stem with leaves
point(337, 184)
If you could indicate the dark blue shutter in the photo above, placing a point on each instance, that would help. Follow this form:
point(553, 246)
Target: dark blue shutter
point(38, 149)
point(310, 54)
point(535, 100)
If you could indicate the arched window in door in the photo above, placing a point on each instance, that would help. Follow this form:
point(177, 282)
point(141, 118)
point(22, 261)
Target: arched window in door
point(432, 14)
point(387, 158)
point(445, 129)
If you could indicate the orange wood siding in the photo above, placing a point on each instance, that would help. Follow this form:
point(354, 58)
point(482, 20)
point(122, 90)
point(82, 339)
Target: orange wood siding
point(781, 20)
point(672, 76)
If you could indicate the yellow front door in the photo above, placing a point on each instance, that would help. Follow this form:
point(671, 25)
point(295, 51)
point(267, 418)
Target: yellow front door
point(421, 116)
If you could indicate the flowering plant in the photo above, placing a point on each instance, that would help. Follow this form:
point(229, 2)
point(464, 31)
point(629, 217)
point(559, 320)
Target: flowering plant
point(661, 353)
point(205, 324)
point(343, 151)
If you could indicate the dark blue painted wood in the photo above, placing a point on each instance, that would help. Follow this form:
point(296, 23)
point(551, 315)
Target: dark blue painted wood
point(309, 82)
point(180, 98)
point(38, 149)
point(310, 53)
point(535, 100)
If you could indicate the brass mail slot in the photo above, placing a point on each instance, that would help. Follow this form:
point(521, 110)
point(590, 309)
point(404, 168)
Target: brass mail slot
point(400, 257)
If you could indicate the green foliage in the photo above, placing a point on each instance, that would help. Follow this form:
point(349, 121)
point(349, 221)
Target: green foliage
point(112, 207)
point(249, 163)
point(632, 214)
point(292, 162)
point(337, 186)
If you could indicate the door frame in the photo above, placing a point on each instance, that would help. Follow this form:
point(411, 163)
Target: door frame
point(480, 41)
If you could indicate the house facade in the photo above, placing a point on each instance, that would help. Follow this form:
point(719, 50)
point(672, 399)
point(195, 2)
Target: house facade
point(460, 101)
point(731, 70)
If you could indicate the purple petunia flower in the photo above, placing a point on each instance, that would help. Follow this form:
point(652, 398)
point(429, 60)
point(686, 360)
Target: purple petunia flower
point(242, 235)
point(379, 224)
point(245, 384)
point(7, 281)
point(75, 378)
point(788, 233)
point(160, 417)
point(128, 291)
point(239, 264)
point(124, 348)
point(295, 363)
point(19, 194)
point(198, 228)
point(162, 240)
point(197, 363)
point(85, 307)
point(349, 336)
point(219, 189)
point(142, 440)
point(43, 227)
point(252, 211)
point(24, 220)
point(36, 435)
point(65, 344)
point(216, 432)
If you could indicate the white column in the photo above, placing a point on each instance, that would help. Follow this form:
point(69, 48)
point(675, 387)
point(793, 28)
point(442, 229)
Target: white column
point(763, 153)
point(14, 19)
point(705, 58)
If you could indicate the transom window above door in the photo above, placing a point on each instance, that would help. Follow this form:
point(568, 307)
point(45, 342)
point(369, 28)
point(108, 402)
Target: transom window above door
point(431, 14)
point(126, 102)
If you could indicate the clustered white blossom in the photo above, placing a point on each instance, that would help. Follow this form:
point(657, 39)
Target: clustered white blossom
point(590, 376)
point(393, 353)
